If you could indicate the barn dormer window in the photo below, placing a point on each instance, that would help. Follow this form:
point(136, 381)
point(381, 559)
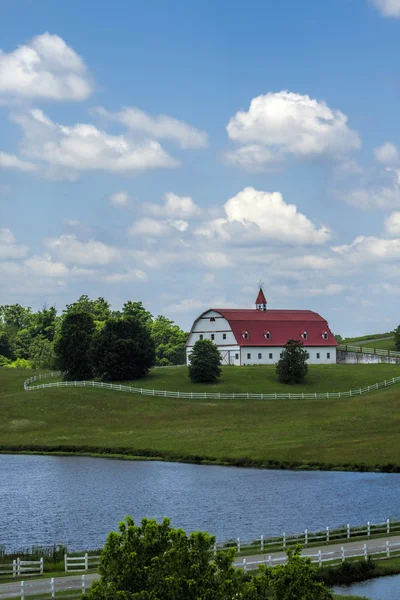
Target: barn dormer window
point(304, 335)
point(212, 319)
point(325, 335)
point(267, 335)
point(246, 335)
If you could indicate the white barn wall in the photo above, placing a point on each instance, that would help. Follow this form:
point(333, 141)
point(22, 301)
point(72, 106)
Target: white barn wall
point(265, 351)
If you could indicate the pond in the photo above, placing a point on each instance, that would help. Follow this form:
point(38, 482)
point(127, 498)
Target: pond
point(381, 588)
point(78, 500)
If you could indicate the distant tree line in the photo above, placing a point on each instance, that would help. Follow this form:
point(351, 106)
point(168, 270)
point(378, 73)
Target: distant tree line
point(97, 338)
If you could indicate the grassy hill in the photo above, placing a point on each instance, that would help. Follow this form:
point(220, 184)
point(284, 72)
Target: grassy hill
point(381, 341)
point(361, 433)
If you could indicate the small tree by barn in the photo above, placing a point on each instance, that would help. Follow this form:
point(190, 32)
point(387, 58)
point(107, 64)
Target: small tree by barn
point(205, 362)
point(292, 366)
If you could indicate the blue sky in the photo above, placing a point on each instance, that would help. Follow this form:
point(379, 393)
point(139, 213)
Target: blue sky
point(179, 152)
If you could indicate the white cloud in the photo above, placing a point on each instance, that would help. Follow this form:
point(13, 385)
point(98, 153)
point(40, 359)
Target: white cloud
point(284, 123)
point(9, 247)
point(369, 249)
point(389, 8)
point(43, 266)
point(186, 305)
point(392, 224)
point(148, 227)
point(128, 277)
point(387, 154)
point(11, 161)
point(72, 250)
point(254, 158)
point(266, 216)
point(215, 260)
point(83, 147)
point(384, 197)
point(332, 289)
point(175, 207)
point(159, 127)
point(119, 199)
point(45, 68)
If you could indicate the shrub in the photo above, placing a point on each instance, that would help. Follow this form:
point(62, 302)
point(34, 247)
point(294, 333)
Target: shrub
point(292, 366)
point(205, 362)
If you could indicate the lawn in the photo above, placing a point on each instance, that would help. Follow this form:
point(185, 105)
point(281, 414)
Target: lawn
point(328, 433)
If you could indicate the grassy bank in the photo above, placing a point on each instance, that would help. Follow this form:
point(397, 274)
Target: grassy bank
point(356, 434)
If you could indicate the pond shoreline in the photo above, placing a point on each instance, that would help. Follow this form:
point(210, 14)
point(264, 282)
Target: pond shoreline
point(149, 455)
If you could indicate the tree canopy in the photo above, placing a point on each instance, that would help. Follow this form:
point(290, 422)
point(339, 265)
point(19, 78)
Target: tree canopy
point(292, 367)
point(72, 345)
point(205, 362)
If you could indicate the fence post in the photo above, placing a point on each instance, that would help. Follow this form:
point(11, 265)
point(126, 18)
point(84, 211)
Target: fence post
point(388, 549)
point(41, 565)
point(65, 563)
point(369, 528)
point(320, 558)
point(83, 584)
point(86, 562)
point(284, 540)
point(14, 568)
point(365, 552)
point(306, 537)
point(244, 565)
point(270, 561)
point(238, 545)
point(262, 543)
point(327, 535)
point(52, 590)
point(18, 567)
point(22, 590)
point(348, 531)
point(342, 553)
point(387, 526)
point(215, 548)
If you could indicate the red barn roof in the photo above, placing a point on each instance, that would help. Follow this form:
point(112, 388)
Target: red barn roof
point(282, 325)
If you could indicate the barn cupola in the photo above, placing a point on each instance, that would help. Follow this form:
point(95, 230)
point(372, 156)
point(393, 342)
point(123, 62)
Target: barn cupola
point(261, 302)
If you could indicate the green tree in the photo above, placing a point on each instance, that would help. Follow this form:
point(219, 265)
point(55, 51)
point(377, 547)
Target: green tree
point(170, 342)
point(44, 323)
point(397, 338)
point(292, 366)
point(338, 338)
point(156, 562)
point(99, 309)
point(205, 362)
point(138, 312)
point(15, 316)
point(297, 579)
point(41, 352)
point(5, 345)
point(21, 343)
point(123, 349)
point(72, 345)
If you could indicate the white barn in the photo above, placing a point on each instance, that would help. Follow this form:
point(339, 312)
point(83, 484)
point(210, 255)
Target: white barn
point(257, 336)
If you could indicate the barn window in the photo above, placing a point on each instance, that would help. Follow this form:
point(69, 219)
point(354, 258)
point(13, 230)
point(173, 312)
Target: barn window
point(237, 356)
point(267, 335)
point(304, 335)
point(259, 355)
point(325, 335)
point(212, 319)
point(318, 354)
point(201, 336)
point(270, 356)
point(328, 355)
point(248, 355)
point(246, 335)
point(212, 336)
point(224, 336)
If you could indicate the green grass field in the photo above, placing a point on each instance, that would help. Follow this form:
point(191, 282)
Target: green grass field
point(379, 344)
point(358, 433)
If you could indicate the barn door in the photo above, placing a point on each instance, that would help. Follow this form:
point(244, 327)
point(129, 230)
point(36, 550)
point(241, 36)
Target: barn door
point(225, 357)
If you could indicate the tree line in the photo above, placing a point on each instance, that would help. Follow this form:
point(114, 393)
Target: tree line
point(39, 339)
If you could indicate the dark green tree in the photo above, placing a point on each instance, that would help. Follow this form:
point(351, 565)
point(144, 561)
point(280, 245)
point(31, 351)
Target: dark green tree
point(138, 312)
point(21, 343)
point(397, 338)
point(156, 562)
point(123, 349)
point(5, 345)
point(292, 367)
point(338, 338)
point(41, 353)
point(170, 341)
point(72, 345)
point(205, 362)
point(99, 309)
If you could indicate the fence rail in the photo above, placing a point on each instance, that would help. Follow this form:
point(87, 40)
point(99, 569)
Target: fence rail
point(76, 564)
point(52, 588)
point(203, 395)
point(310, 538)
point(20, 567)
point(367, 350)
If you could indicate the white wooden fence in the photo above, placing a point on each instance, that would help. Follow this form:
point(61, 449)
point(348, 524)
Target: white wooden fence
point(202, 395)
point(327, 536)
point(53, 588)
point(76, 564)
point(381, 551)
point(20, 567)
point(367, 350)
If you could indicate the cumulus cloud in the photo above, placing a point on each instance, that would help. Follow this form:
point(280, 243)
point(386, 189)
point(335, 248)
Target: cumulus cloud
point(387, 154)
point(72, 250)
point(11, 161)
point(83, 147)
point(255, 214)
point(369, 249)
point(174, 207)
point(148, 227)
point(389, 8)
point(285, 123)
point(392, 224)
point(159, 127)
point(45, 267)
point(44, 68)
point(383, 193)
point(119, 199)
point(9, 248)
point(134, 275)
